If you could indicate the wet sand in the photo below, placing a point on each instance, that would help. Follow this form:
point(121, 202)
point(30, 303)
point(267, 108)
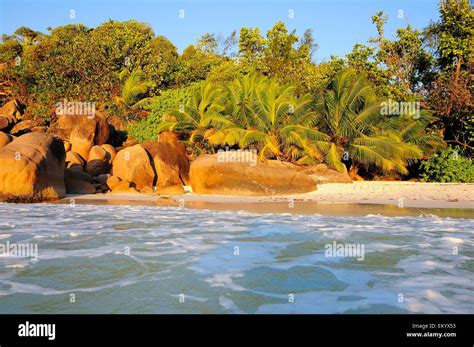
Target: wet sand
point(358, 198)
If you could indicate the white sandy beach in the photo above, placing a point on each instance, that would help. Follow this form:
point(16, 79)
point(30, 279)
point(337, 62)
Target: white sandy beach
point(405, 194)
point(400, 194)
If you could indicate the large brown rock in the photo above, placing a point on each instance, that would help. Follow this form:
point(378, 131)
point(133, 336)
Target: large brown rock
point(111, 150)
point(82, 140)
point(32, 168)
point(78, 182)
point(133, 164)
point(319, 173)
point(98, 162)
point(129, 143)
point(112, 181)
point(322, 174)
point(170, 190)
point(183, 160)
point(170, 163)
point(102, 129)
point(73, 159)
point(26, 126)
point(123, 187)
point(67, 146)
point(209, 176)
point(9, 114)
point(95, 125)
point(102, 178)
point(117, 186)
point(285, 164)
point(83, 131)
point(5, 139)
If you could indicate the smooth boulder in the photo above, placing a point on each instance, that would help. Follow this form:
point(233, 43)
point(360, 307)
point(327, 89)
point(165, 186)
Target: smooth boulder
point(9, 114)
point(321, 174)
point(116, 185)
point(73, 159)
point(32, 168)
point(26, 126)
point(95, 126)
point(170, 163)
point(83, 131)
point(78, 182)
point(102, 178)
point(98, 162)
point(208, 175)
point(67, 146)
point(5, 139)
point(82, 140)
point(170, 190)
point(133, 164)
point(111, 150)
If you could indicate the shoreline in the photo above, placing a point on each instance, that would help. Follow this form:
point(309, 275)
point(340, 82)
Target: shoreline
point(393, 198)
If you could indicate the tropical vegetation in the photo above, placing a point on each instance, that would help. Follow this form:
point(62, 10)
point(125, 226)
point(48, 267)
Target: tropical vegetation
point(448, 166)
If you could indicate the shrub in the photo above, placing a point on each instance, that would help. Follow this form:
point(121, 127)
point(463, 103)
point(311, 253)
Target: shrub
point(79, 63)
point(168, 99)
point(9, 50)
point(225, 72)
point(448, 166)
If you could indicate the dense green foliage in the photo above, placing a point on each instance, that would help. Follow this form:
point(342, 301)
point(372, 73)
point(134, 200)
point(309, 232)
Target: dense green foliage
point(78, 63)
point(255, 111)
point(159, 106)
point(135, 87)
point(448, 166)
point(451, 96)
point(271, 117)
point(350, 114)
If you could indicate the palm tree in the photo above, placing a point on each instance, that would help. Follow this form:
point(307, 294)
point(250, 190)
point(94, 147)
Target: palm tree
point(135, 88)
point(349, 112)
point(240, 98)
point(199, 119)
point(268, 116)
point(414, 131)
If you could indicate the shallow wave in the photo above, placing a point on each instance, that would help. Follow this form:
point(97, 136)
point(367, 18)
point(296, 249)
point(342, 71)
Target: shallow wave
point(172, 260)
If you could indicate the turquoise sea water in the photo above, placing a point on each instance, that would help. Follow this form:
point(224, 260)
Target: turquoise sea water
point(148, 259)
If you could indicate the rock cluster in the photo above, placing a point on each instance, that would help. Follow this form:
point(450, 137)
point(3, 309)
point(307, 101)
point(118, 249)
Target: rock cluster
point(75, 156)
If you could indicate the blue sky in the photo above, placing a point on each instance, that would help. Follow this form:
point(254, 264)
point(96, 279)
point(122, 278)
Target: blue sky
point(337, 24)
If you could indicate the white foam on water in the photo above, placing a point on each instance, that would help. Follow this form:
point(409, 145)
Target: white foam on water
point(454, 240)
point(16, 266)
point(225, 280)
point(229, 305)
point(194, 250)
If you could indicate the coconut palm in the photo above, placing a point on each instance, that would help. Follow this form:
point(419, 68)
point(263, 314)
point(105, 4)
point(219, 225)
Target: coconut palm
point(240, 98)
point(238, 102)
point(413, 130)
point(135, 88)
point(199, 119)
point(349, 112)
point(268, 116)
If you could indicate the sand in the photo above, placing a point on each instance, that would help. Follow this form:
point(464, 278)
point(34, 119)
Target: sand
point(408, 194)
point(394, 198)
